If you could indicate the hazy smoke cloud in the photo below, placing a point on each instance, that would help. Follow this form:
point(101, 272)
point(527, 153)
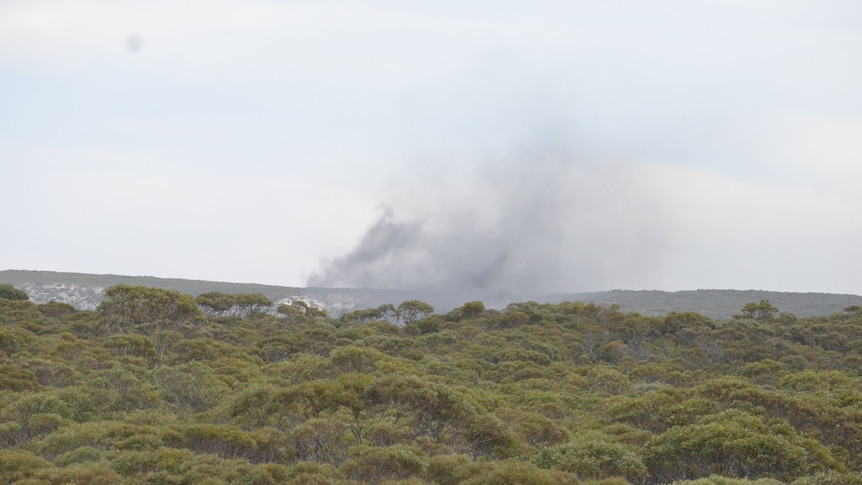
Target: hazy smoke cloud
point(535, 222)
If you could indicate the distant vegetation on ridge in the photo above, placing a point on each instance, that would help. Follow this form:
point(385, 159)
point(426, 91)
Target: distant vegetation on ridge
point(86, 291)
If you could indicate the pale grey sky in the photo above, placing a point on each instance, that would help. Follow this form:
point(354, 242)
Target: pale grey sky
point(555, 145)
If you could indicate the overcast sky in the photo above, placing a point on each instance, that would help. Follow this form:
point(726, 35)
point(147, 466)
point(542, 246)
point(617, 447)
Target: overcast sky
point(541, 146)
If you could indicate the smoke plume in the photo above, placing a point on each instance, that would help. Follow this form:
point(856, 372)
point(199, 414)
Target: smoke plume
point(521, 225)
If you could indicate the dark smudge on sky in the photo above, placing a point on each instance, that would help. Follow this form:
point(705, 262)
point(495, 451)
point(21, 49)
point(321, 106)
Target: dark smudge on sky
point(134, 43)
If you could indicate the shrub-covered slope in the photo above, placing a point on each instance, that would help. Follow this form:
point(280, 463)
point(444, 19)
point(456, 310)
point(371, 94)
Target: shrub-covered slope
point(158, 387)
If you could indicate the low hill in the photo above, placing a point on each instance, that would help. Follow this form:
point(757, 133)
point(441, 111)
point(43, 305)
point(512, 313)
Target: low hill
point(85, 291)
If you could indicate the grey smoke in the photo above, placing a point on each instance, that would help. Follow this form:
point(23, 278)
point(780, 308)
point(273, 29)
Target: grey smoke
point(526, 224)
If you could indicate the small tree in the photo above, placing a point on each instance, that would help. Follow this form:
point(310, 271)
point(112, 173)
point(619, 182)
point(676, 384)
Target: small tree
point(300, 310)
point(223, 304)
point(389, 313)
point(366, 315)
point(248, 304)
point(9, 292)
point(216, 303)
point(412, 310)
point(147, 308)
point(763, 311)
point(472, 309)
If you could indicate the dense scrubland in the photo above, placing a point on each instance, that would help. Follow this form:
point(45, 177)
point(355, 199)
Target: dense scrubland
point(156, 386)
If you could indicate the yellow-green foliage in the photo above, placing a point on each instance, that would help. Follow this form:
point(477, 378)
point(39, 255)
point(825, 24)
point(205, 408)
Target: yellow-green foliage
point(150, 389)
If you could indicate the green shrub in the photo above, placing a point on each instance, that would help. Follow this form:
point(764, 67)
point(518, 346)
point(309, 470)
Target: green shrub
point(511, 472)
point(16, 465)
point(392, 462)
point(593, 460)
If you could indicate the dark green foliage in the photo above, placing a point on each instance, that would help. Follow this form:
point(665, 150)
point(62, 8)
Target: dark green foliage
point(56, 309)
point(9, 292)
